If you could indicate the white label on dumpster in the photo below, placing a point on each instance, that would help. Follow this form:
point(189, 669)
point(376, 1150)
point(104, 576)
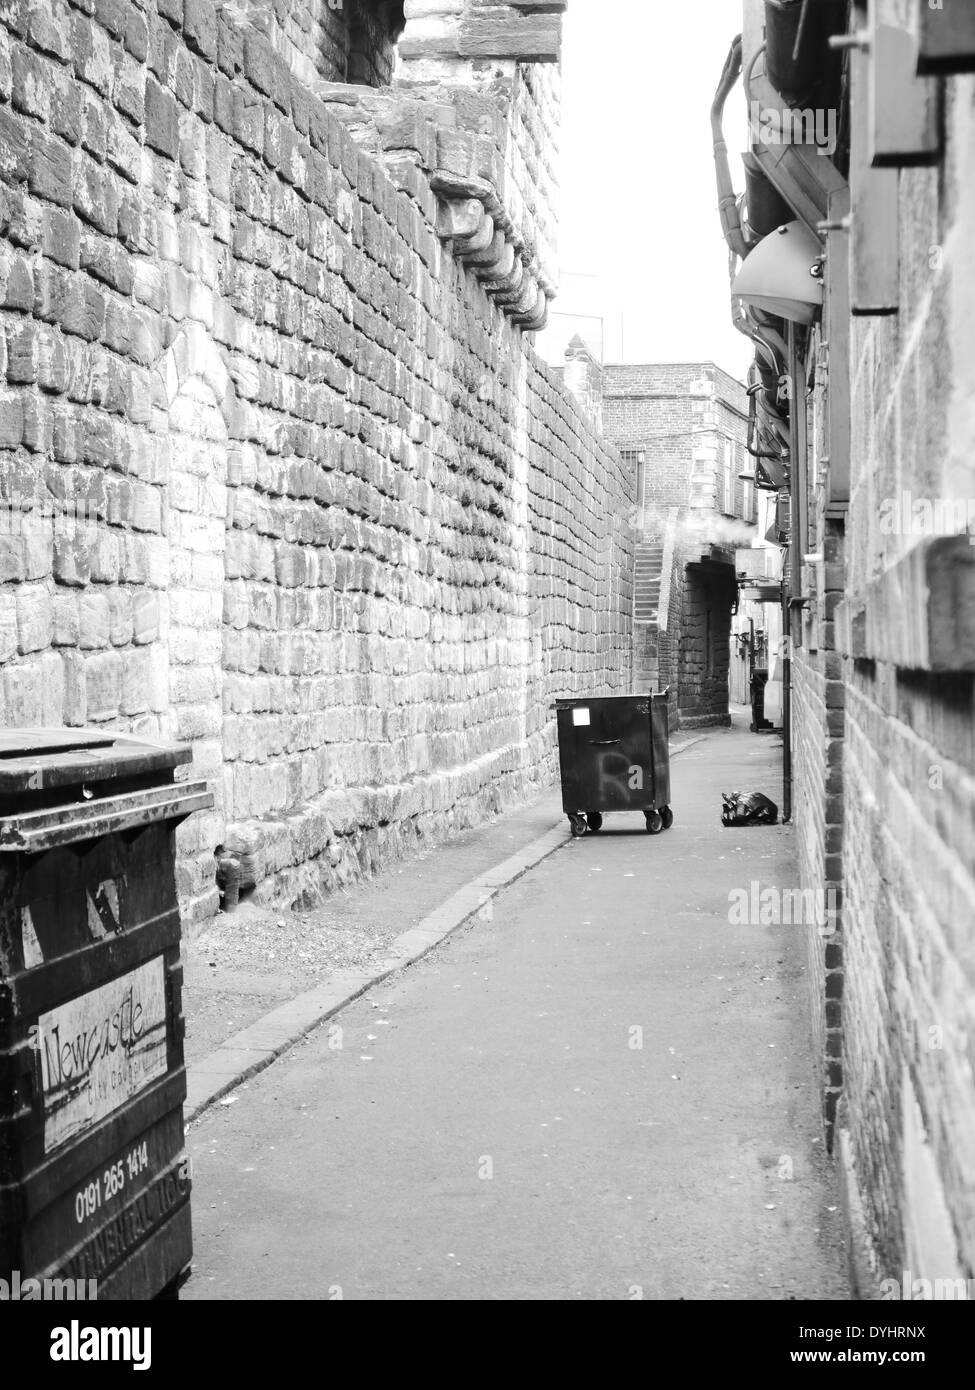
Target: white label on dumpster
point(580, 716)
point(101, 1049)
point(33, 955)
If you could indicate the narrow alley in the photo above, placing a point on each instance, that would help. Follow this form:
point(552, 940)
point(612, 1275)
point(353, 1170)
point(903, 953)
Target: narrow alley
point(487, 671)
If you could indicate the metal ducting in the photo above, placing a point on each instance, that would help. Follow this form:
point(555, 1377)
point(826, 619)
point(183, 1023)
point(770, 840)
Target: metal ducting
point(800, 66)
point(727, 202)
point(767, 209)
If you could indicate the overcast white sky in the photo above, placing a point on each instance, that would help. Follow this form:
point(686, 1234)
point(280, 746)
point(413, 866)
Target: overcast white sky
point(638, 201)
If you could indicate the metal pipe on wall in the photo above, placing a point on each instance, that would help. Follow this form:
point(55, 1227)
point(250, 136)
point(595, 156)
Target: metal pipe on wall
point(792, 590)
point(786, 710)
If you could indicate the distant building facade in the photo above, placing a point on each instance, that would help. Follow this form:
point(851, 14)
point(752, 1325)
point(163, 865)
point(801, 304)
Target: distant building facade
point(682, 428)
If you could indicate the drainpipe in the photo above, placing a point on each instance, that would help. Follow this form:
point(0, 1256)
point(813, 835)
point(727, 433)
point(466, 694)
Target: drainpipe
point(792, 596)
point(727, 202)
point(786, 709)
point(797, 443)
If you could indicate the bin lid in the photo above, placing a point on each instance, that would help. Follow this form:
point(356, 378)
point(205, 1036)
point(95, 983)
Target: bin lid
point(31, 759)
point(571, 701)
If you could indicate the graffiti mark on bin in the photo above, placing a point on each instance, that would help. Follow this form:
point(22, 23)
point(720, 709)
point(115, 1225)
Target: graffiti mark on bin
point(103, 913)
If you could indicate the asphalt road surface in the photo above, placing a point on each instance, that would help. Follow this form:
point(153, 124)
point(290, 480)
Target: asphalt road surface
point(605, 1090)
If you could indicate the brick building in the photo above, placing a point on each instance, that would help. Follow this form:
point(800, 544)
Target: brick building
point(866, 321)
point(282, 474)
point(682, 430)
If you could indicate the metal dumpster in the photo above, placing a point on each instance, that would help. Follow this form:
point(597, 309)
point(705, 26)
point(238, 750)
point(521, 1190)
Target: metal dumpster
point(614, 756)
point(94, 1183)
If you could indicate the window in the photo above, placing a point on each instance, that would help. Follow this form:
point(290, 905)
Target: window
point(747, 488)
point(748, 501)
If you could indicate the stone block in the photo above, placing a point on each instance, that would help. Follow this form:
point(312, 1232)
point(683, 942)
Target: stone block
point(120, 619)
point(72, 555)
point(162, 120)
point(136, 681)
point(23, 696)
point(129, 89)
point(14, 147)
point(66, 623)
point(50, 173)
point(91, 54)
point(75, 702)
point(49, 30)
point(20, 285)
point(31, 88)
point(8, 626)
point(11, 419)
point(103, 686)
point(35, 619)
point(259, 61)
point(145, 617)
point(93, 620)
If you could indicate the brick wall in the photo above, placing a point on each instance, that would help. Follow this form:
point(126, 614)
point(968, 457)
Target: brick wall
point(818, 719)
point(342, 531)
point(900, 658)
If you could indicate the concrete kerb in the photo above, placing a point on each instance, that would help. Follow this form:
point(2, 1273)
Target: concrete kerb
point(683, 747)
point(248, 1052)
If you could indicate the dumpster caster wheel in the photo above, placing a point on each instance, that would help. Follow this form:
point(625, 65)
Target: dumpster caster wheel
point(595, 821)
point(667, 816)
point(655, 822)
point(578, 824)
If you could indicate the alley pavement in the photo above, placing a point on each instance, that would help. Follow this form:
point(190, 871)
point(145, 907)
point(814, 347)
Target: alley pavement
point(252, 961)
point(601, 1088)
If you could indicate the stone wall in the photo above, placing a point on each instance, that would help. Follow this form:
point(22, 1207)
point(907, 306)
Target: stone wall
point(483, 127)
point(339, 527)
point(337, 40)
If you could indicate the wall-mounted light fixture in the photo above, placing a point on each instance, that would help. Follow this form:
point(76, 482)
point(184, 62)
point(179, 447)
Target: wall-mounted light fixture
point(783, 275)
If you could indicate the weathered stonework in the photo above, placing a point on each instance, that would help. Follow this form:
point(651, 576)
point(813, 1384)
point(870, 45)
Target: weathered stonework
point(338, 40)
point(472, 115)
point(339, 529)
